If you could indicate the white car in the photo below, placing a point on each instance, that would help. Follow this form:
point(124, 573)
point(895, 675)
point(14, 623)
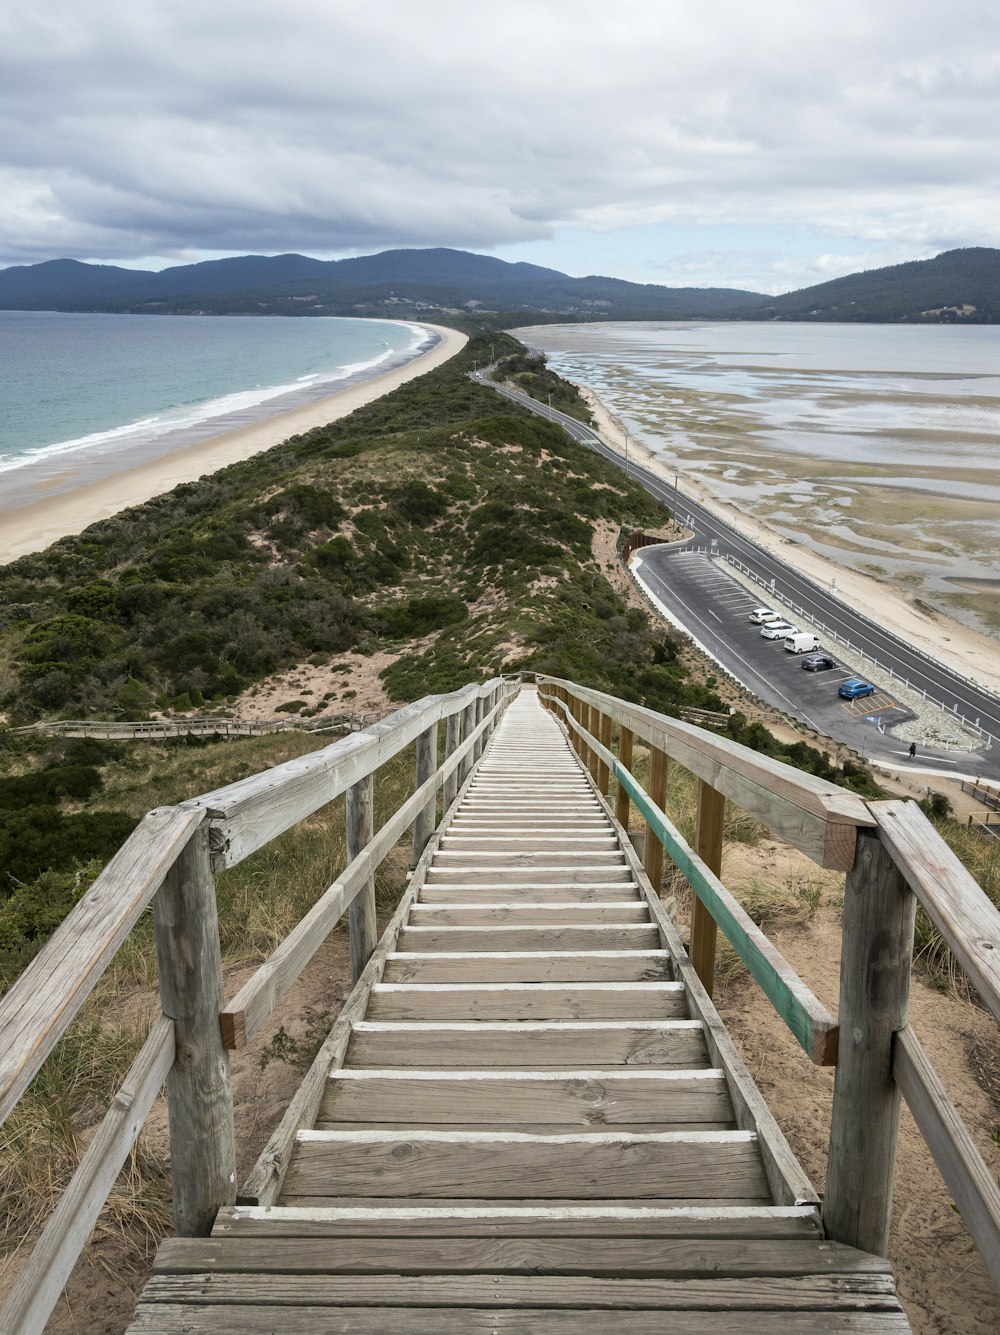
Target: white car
point(777, 630)
point(760, 615)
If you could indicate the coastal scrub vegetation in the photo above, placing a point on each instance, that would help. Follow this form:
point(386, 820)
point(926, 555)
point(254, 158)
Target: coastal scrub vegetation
point(438, 523)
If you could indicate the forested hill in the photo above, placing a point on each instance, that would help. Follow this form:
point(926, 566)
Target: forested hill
point(958, 286)
point(457, 287)
point(428, 283)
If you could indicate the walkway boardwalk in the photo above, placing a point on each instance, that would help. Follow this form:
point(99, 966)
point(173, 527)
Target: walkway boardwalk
point(540, 1124)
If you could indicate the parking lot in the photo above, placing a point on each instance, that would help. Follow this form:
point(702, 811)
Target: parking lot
point(714, 609)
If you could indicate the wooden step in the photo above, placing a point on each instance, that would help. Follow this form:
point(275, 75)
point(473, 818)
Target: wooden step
point(505, 937)
point(183, 1310)
point(548, 1044)
point(556, 914)
point(532, 1001)
point(530, 892)
point(398, 1219)
point(608, 967)
point(504, 1164)
point(681, 1258)
point(517, 874)
point(591, 1098)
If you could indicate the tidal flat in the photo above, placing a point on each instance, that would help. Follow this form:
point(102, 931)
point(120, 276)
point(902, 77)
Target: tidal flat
point(878, 446)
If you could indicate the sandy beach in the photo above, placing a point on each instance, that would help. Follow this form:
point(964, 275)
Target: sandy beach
point(36, 525)
point(965, 650)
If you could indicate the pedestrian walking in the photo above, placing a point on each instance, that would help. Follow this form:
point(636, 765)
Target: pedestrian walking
point(913, 749)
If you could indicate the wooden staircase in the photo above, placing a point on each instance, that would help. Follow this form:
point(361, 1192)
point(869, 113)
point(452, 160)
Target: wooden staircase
point(540, 1124)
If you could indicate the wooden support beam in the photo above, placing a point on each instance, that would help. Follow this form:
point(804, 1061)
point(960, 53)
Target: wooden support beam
point(625, 760)
point(657, 790)
point(452, 737)
point(199, 1092)
point(361, 915)
point(426, 764)
point(879, 913)
point(468, 725)
point(708, 846)
point(604, 735)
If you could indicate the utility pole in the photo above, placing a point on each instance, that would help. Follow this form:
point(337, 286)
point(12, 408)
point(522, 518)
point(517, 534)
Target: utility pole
point(626, 456)
point(676, 520)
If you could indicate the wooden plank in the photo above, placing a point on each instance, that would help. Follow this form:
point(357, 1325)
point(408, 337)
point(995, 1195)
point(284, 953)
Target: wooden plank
point(556, 913)
point(40, 1283)
point(652, 859)
point(504, 1164)
point(531, 966)
point(815, 816)
point(775, 1294)
point(531, 892)
point(39, 1007)
point(163, 1318)
point(804, 1014)
point(604, 1221)
point(425, 761)
point(591, 1097)
point(199, 1090)
point(664, 1044)
point(972, 1185)
point(503, 874)
point(530, 937)
point(954, 901)
point(682, 1258)
point(532, 1001)
point(875, 963)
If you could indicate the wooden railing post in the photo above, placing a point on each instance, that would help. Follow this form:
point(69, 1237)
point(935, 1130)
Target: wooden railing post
point(876, 958)
point(603, 769)
point(652, 859)
point(426, 764)
point(361, 914)
point(199, 1092)
point(622, 804)
point(452, 736)
point(708, 846)
point(480, 715)
point(468, 714)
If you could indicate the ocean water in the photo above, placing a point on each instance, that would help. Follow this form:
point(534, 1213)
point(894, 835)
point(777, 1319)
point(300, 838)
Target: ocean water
point(82, 395)
point(877, 445)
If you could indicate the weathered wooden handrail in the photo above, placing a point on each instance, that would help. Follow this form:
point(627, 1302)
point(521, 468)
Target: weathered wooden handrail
point(167, 862)
point(897, 860)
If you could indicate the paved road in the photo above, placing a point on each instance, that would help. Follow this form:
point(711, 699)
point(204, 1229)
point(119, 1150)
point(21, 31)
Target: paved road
point(840, 624)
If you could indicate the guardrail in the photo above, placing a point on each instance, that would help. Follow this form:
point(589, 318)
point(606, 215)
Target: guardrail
point(774, 593)
point(894, 859)
point(170, 862)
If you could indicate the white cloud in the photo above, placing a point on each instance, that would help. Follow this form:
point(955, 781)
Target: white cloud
point(135, 127)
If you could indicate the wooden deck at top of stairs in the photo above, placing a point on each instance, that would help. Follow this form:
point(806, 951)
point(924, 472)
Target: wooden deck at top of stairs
point(539, 1126)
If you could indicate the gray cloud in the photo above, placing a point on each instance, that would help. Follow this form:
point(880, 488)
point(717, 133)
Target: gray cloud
point(169, 127)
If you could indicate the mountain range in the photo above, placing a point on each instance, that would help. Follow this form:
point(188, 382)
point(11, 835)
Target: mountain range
point(462, 287)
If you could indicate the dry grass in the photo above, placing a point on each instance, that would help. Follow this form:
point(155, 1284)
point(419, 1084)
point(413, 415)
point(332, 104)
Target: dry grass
point(259, 902)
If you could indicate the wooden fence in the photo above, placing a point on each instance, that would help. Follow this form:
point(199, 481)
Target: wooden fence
point(152, 730)
point(894, 859)
point(170, 862)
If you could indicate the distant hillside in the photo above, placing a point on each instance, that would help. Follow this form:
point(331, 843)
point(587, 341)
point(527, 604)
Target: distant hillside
point(428, 282)
point(470, 290)
point(958, 286)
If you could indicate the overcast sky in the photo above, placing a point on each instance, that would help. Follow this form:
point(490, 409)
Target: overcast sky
point(687, 142)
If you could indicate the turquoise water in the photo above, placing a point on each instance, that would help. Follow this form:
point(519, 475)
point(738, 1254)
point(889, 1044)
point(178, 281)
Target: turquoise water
point(79, 390)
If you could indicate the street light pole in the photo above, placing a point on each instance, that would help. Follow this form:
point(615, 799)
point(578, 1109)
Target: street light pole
point(676, 520)
point(626, 456)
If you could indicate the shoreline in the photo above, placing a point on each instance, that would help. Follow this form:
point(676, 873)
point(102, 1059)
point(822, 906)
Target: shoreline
point(39, 523)
point(967, 651)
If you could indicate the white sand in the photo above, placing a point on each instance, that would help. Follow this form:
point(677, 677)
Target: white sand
point(964, 650)
point(33, 527)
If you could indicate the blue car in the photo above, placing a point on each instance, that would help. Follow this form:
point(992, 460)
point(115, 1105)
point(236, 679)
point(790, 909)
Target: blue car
point(854, 688)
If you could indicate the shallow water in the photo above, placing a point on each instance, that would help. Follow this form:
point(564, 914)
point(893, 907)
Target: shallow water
point(879, 445)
